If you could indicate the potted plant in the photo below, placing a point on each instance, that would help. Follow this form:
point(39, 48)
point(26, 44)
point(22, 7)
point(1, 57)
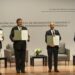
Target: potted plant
point(38, 51)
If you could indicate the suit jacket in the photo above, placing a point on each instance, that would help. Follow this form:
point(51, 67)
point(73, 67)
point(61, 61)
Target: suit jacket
point(0, 43)
point(20, 43)
point(74, 38)
point(50, 33)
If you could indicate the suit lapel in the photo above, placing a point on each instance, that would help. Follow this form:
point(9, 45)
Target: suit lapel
point(16, 27)
point(50, 32)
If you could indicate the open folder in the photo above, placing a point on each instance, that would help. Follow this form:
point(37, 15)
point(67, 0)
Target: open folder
point(1, 35)
point(53, 40)
point(20, 34)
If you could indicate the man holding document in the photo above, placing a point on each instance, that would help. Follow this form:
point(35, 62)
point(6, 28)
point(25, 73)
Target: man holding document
point(1, 38)
point(19, 36)
point(52, 38)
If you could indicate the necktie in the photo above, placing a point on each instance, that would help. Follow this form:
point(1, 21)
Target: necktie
point(53, 32)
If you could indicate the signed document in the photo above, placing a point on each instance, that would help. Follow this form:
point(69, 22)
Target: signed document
point(21, 35)
point(1, 35)
point(53, 40)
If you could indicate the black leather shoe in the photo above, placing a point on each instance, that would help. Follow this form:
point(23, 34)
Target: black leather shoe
point(0, 74)
point(49, 70)
point(56, 70)
point(23, 71)
point(18, 71)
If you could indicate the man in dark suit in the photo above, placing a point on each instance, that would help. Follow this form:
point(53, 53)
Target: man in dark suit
point(19, 47)
point(1, 40)
point(53, 49)
point(74, 37)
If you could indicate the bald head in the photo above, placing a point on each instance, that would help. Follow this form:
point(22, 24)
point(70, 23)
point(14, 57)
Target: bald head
point(52, 25)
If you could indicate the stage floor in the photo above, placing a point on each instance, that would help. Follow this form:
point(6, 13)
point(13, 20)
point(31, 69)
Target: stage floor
point(40, 70)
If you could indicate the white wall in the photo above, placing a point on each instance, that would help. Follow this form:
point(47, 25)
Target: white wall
point(39, 11)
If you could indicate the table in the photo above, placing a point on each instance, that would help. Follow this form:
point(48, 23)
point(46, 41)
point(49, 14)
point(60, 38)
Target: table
point(5, 61)
point(44, 57)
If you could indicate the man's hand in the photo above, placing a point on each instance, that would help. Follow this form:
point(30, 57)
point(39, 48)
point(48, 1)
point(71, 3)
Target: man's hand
point(28, 38)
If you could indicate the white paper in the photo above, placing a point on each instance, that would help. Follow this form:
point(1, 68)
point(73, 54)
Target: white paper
point(53, 40)
point(56, 40)
point(24, 34)
point(21, 35)
point(50, 40)
point(1, 35)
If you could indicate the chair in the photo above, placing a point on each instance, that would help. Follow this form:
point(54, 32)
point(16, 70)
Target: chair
point(9, 54)
point(63, 53)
